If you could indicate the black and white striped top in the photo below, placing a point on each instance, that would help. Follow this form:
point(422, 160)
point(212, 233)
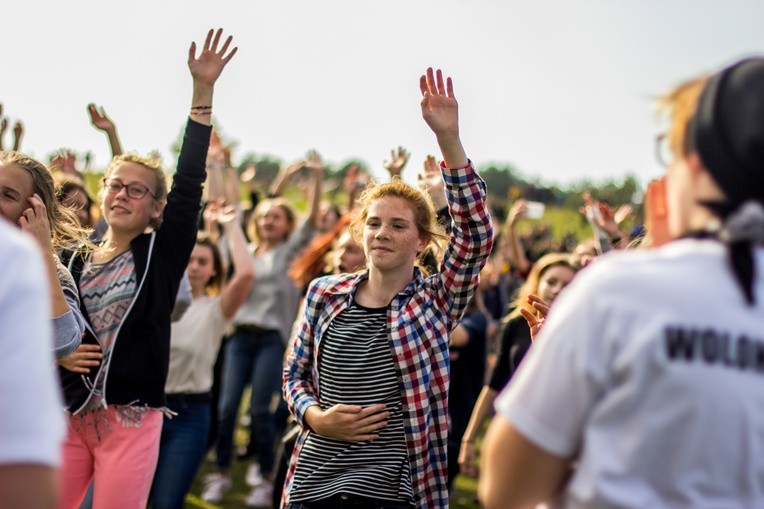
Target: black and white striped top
point(356, 368)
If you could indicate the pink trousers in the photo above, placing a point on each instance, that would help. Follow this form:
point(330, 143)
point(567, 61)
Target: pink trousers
point(118, 449)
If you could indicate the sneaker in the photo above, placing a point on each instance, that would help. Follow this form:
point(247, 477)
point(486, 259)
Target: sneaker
point(215, 487)
point(261, 495)
point(254, 477)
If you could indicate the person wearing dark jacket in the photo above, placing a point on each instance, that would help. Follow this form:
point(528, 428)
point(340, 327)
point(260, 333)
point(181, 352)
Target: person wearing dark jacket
point(115, 390)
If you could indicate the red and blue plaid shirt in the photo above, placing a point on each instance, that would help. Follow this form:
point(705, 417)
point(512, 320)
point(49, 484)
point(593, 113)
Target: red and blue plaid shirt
point(420, 319)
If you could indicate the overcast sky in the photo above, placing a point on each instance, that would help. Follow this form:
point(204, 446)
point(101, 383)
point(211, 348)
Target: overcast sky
point(562, 89)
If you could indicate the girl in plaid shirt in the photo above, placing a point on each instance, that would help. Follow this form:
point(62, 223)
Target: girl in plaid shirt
point(396, 223)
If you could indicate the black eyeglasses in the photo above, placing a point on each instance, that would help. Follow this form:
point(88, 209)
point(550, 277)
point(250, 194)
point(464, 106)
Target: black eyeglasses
point(663, 152)
point(135, 191)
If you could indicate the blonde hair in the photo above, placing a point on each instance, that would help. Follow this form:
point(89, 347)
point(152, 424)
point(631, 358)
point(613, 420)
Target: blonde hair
point(679, 106)
point(154, 165)
point(425, 218)
point(65, 230)
point(531, 284)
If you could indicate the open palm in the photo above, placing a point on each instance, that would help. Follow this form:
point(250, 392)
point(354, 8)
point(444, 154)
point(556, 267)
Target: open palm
point(206, 68)
point(439, 107)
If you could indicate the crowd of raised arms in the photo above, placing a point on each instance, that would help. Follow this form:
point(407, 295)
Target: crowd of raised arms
point(376, 333)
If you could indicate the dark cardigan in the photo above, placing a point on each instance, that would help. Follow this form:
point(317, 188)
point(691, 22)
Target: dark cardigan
point(141, 351)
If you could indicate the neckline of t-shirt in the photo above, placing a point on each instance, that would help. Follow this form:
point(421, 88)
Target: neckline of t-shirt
point(379, 310)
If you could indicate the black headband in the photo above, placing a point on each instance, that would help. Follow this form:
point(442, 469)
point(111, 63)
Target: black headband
point(728, 130)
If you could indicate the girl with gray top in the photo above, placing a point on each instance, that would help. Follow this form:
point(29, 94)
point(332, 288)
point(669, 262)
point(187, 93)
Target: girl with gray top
point(254, 353)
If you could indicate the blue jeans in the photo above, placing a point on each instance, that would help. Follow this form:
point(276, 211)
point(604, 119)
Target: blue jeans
point(181, 451)
point(255, 358)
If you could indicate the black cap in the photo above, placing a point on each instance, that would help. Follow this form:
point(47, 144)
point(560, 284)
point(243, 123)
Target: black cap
point(728, 130)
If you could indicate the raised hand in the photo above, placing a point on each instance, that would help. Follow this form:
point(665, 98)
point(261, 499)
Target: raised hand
point(206, 68)
point(439, 107)
point(3, 128)
point(441, 112)
point(99, 119)
point(517, 211)
point(431, 182)
point(397, 162)
point(622, 213)
point(18, 133)
point(227, 215)
point(313, 161)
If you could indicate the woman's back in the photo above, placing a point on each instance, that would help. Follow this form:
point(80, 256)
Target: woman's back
point(665, 378)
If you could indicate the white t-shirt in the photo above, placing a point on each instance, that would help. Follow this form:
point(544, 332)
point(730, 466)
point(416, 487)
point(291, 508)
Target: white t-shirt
point(650, 372)
point(31, 410)
point(194, 343)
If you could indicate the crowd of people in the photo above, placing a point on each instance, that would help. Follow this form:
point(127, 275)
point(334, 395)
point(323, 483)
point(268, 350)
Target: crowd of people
point(378, 335)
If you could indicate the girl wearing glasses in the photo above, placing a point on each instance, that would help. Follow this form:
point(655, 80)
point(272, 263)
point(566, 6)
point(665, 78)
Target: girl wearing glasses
point(128, 283)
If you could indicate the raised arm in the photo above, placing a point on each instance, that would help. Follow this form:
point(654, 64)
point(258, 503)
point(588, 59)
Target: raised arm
point(205, 70)
point(102, 122)
point(18, 133)
point(3, 127)
point(237, 288)
point(471, 233)
point(397, 162)
point(283, 176)
point(316, 166)
point(432, 183)
point(441, 112)
point(516, 254)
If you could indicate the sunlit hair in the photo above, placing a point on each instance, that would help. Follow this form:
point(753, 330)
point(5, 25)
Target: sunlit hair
point(66, 185)
point(154, 165)
point(65, 229)
point(531, 284)
point(312, 261)
point(216, 282)
point(679, 106)
point(254, 230)
point(425, 217)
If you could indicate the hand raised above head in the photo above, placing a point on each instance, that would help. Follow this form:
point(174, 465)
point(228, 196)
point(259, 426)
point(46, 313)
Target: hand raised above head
point(313, 160)
point(99, 119)
point(397, 162)
point(207, 67)
point(439, 107)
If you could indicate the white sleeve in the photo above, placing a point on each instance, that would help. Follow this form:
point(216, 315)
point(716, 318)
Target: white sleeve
point(558, 382)
point(31, 411)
